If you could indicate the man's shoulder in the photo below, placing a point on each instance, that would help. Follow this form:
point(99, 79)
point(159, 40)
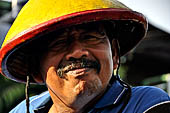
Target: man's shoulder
point(147, 96)
point(35, 101)
point(149, 90)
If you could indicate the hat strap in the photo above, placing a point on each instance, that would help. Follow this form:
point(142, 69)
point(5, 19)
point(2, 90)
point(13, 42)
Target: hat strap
point(129, 92)
point(27, 93)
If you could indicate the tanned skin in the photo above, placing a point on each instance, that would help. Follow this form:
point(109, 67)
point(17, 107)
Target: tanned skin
point(76, 89)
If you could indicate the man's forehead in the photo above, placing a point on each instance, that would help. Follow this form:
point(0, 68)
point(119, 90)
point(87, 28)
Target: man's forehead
point(96, 27)
point(86, 28)
point(90, 26)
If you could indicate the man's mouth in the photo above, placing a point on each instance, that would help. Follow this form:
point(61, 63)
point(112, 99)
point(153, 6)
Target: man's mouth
point(78, 73)
point(77, 66)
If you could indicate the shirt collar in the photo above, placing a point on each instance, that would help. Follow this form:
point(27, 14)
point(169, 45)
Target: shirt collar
point(112, 96)
point(39, 102)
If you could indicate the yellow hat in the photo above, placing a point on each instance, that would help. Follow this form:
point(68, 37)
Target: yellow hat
point(39, 17)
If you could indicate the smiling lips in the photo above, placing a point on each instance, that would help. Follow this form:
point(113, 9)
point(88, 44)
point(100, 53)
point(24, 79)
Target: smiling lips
point(78, 72)
point(77, 67)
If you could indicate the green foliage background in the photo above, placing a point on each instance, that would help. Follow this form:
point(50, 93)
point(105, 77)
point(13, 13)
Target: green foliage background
point(12, 93)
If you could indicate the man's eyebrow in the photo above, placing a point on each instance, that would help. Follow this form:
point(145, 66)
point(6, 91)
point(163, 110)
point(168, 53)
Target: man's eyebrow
point(55, 37)
point(95, 32)
point(62, 33)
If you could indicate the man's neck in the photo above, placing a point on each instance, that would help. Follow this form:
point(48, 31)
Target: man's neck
point(65, 109)
point(55, 109)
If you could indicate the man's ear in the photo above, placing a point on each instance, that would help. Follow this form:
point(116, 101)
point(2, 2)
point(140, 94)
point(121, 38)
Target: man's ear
point(115, 55)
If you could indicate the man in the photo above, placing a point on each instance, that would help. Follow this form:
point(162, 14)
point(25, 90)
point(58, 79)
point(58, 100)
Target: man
point(73, 47)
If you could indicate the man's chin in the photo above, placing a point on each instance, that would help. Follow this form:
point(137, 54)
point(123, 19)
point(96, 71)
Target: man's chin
point(87, 88)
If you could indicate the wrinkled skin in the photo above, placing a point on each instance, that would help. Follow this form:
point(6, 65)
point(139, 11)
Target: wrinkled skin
point(78, 87)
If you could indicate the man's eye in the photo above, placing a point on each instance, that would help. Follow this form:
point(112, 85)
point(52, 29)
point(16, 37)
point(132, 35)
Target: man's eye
point(92, 39)
point(58, 45)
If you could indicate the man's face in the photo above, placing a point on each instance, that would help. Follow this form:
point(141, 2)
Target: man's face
point(78, 64)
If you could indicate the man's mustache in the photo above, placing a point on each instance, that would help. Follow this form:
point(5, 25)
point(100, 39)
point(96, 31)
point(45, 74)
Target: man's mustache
point(77, 64)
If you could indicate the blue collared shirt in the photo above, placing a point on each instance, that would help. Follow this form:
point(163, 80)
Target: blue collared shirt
point(142, 98)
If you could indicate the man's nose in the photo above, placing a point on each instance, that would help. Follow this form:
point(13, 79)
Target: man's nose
point(77, 50)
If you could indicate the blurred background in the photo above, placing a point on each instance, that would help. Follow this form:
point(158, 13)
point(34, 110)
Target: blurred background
point(147, 64)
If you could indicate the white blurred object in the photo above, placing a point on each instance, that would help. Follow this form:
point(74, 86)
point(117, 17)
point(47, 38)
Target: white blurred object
point(156, 11)
point(14, 8)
